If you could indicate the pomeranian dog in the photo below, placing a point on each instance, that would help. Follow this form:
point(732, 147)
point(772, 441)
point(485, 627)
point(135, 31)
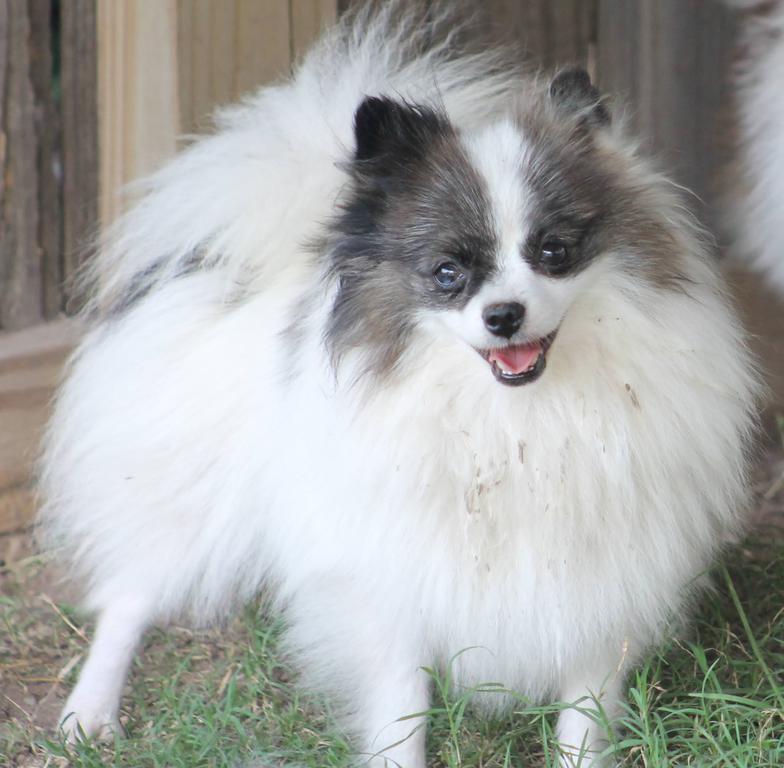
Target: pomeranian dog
point(426, 349)
point(756, 207)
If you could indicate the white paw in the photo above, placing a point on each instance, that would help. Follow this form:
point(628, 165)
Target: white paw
point(379, 761)
point(584, 759)
point(85, 719)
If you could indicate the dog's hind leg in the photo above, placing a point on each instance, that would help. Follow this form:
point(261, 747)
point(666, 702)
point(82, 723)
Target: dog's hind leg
point(92, 708)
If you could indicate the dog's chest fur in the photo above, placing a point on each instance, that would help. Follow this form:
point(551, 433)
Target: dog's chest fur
point(520, 528)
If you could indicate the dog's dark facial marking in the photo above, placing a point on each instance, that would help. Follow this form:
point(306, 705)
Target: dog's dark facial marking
point(586, 200)
point(416, 228)
point(584, 205)
point(415, 231)
point(573, 93)
point(571, 196)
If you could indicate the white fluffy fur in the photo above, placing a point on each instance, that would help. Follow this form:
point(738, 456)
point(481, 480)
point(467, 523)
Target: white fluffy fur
point(757, 208)
point(196, 453)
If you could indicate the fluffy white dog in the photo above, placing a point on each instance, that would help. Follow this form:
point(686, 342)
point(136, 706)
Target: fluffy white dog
point(757, 205)
point(428, 350)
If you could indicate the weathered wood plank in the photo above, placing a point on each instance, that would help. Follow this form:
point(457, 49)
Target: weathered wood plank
point(763, 314)
point(47, 131)
point(205, 59)
point(551, 32)
point(164, 67)
point(79, 110)
point(307, 19)
point(617, 49)
point(262, 44)
point(20, 267)
point(31, 361)
point(226, 50)
point(137, 94)
point(669, 59)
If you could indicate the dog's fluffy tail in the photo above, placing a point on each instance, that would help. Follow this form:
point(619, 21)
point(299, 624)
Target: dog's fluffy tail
point(249, 198)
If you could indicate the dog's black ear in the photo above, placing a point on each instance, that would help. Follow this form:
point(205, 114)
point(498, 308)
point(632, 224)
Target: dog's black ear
point(573, 92)
point(383, 126)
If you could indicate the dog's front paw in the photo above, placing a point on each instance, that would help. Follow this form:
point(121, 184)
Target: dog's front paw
point(584, 759)
point(89, 720)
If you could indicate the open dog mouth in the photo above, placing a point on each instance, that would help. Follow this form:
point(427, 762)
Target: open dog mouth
point(518, 364)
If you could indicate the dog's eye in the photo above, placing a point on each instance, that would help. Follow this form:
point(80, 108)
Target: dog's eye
point(449, 276)
point(553, 256)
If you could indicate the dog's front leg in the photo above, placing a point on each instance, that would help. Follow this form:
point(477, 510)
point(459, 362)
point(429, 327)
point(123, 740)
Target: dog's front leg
point(594, 691)
point(93, 706)
point(391, 737)
point(369, 655)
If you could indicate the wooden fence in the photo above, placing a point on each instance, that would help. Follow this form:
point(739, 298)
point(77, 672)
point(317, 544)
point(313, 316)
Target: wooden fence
point(95, 92)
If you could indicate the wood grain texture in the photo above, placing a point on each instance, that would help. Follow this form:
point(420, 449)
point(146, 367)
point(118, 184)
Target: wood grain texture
point(762, 311)
point(228, 49)
point(79, 111)
point(21, 299)
point(164, 67)
point(307, 19)
point(669, 59)
point(225, 50)
point(31, 362)
point(47, 132)
point(262, 44)
point(137, 94)
point(551, 32)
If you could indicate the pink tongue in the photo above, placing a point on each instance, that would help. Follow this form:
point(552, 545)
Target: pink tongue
point(518, 358)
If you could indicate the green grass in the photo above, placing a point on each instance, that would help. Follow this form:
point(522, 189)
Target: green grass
point(712, 697)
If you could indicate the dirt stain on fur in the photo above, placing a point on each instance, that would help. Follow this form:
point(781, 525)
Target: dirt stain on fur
point(633, 396)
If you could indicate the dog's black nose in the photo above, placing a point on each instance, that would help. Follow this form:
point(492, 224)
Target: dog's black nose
point(504, 319)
